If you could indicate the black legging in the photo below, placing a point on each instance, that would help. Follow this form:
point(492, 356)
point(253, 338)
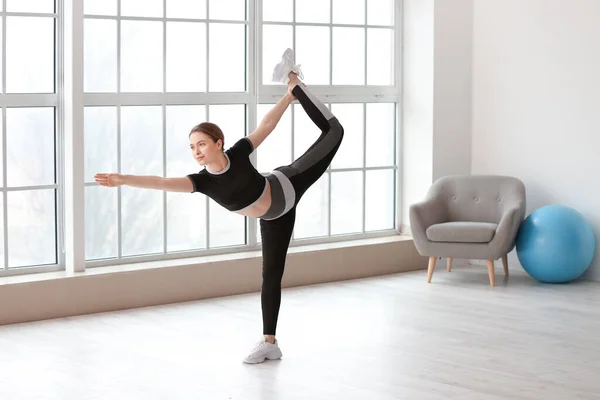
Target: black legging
point(302, 173)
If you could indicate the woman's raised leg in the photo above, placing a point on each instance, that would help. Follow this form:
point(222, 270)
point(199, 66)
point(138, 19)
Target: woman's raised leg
point(311, 165)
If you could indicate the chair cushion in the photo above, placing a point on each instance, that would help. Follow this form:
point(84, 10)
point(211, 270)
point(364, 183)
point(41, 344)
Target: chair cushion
point(462, 232)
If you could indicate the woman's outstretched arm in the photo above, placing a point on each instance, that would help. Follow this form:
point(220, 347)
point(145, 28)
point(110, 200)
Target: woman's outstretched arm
point(270, 120)
point(146, 182)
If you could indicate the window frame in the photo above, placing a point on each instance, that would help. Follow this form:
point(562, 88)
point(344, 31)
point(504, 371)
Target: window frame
point(165, 99)
point(34, 100)
point(70, 100)
point(339, 94)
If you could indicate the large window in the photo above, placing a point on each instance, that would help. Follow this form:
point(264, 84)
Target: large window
point(29, 178)
point(152, 70)
point(358, 192)
point(151, 74)
point(347, 52)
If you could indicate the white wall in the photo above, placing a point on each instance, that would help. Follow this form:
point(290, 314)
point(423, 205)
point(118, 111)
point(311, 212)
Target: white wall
point(436, 94)
point(452, 87)
point(536, 104)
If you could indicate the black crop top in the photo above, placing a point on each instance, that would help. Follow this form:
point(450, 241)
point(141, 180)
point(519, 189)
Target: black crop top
point(238, 185)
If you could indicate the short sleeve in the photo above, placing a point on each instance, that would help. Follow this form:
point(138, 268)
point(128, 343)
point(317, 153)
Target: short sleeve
point(242, 147)
point(198, 181)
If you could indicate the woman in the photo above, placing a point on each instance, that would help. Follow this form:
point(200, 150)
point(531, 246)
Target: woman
point(232, 181)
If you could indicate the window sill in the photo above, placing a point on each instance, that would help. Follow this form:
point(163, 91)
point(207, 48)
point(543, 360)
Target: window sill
point(245, 255)
point(111, 288)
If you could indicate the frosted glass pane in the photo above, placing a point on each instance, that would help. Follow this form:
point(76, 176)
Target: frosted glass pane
point(186, 214)
point(276, 150)
point(380, 12)
point(1, 55)
point(100, 7)
point(141, 56)
point(226, 228)
point(141, 152)
point(186, 221)
point(232, 10)
point(305, 131)
point(231, 118)
point(348, 56)
point(380, 200)
point(29, 55)
point(101, 222)
point(186, 9)
point(100, 130)
point(180, 121)
point(1, 156)
point(186, 57)
point(381, 132)
point(141, 140)
point(30, 146)
point(227, 57)
point(142, 221)
point(142, 8)
point(258, 234)
point(312, 215)
point(313, 11)
point(2, 265)
point(350, 153)
point(276, 38)
point(100, 56)
point(31, 228)
point(380, 57)
point(312, 53)
point(349, 12)
point(278, 10)
point(30, 6)
point(346, 202)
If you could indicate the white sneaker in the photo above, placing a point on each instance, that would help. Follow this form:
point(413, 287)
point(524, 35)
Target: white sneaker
point(285, 66)
point(263, 350)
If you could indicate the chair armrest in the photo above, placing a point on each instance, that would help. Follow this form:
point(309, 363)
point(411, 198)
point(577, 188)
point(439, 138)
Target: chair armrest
point(424, 214)
point(507, 229)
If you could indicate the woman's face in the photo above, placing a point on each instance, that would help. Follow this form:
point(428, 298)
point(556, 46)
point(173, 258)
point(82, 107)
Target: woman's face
point(204, 149)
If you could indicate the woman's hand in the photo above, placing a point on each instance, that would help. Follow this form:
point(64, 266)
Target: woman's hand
point(290, 94)
point(109, 180)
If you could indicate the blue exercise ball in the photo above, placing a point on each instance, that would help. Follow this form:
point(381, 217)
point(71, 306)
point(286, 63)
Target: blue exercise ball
point(555, 244)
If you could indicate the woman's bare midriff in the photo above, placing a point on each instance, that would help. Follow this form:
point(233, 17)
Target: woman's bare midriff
point(261, 206)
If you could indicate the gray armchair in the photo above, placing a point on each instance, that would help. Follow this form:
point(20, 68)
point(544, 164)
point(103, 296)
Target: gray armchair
point(469, 217)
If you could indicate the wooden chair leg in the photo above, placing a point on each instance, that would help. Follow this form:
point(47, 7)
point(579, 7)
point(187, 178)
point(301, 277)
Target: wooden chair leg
point(449, 264)
point(490, 264)
point(430, 268)
point(505, 264)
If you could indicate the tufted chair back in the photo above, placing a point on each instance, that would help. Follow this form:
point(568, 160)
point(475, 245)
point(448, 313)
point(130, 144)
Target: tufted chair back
point(477, 198)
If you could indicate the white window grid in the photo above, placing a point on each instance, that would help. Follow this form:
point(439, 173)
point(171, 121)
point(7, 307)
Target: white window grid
point(256, 94)
point(49, 100)
point(164, 100)
point(339, 94)
point(363, 169)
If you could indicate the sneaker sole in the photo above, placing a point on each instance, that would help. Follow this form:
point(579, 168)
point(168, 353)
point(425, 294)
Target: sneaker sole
point(278, 71)
point(275, 356)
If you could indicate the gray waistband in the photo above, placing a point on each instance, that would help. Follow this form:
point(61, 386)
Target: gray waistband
point(283, 195)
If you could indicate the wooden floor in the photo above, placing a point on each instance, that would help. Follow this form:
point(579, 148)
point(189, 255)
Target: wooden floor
point(393, 337)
